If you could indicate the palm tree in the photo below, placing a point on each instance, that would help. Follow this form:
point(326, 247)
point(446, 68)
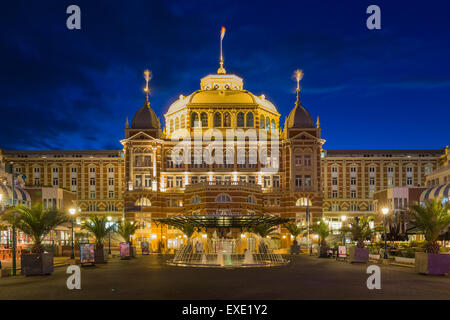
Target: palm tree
point(360, 230)
point(432, 219)
point(97, 227)
point(294, 230)
point(126, 229)
point(188, 229)
point(323, 231)
point(263, 229)
point(36, 222)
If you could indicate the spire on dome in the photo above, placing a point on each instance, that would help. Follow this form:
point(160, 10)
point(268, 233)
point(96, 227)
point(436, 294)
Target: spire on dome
point(147, 77)
point(221, 69)
point(127, 124)
point(298, 76)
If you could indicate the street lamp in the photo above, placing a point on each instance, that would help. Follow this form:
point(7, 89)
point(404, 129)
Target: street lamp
point(385, 211)
point(343, 219)
point(72, 212)
point(109, 242)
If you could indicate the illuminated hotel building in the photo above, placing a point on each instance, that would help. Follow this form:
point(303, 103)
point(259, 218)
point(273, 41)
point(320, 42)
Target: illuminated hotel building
point(143, 180)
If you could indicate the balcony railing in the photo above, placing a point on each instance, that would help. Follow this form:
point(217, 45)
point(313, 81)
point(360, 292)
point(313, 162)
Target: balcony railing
point(222, 184)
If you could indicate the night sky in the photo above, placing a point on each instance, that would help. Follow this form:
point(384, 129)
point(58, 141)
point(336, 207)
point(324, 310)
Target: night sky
point(373, 89)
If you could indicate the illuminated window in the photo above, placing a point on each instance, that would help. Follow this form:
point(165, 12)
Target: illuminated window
point(303, 202)
point(196, 199)
point(143, 202)
point(217, 119)
point(250, 122)
point(194, 120)
point(226, 120)
point(204, 119)
point(261, 122)
point(223, 198)
point(240, 119)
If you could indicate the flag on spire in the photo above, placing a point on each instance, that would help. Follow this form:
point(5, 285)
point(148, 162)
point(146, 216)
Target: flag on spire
point(222, 33)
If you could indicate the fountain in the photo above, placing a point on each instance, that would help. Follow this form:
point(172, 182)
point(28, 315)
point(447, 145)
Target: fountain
point(221, 249)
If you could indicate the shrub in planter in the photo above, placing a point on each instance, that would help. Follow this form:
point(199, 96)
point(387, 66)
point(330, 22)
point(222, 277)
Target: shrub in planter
point(36, 222)
point(98, 228)
point(432, 218)
point(322, 230)
point(126, 229)
point(295, 231)
point(360, 230)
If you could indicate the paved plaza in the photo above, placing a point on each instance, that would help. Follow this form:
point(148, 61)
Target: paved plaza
point(306, 277)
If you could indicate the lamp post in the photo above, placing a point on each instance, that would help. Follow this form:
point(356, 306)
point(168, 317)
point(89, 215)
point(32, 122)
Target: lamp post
point(72, 211)
point(343, 219)
point(385, 211)
point(109, 233)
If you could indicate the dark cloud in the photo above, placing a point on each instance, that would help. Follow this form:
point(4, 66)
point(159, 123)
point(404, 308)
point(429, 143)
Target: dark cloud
point(64, 89)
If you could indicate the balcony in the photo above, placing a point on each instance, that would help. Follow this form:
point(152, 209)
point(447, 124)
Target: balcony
point(211, 185)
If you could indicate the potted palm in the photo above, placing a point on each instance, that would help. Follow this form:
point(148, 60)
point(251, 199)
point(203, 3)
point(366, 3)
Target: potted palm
point(188, 229)
point(432, 219)
point(126, 229)
point(322, 230)
point(360, 231)
point(295, 231)
point(98, 228)
point(263, 230)
point(36, 222)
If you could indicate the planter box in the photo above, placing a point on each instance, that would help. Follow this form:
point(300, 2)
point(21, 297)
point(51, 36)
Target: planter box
point(404, 260)
point(432, 263)
point(360, 255)
point(323, 252)
point(295, 249)
point(33, 264)
point(99, 255)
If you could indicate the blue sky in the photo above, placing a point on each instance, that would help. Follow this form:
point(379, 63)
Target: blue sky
point(373, 89)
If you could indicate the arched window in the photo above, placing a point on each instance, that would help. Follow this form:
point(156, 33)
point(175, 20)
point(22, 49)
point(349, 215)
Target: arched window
point(273, 125)
point(267, 123)
point(217, 119)
point(251, 199)
point(194, 120)
point(177, 123)
point(261, 122)
point(303, 202)
point(171, 126)
point(196, 199)
point(223, 198)
point(250, 122)
point(182, 121)
point(204, 119)
point(226, 120)
point(240, 120)
point(143, 202)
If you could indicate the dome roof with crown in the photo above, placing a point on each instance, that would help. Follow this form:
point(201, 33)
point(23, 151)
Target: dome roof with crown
point(145, 118)
point(299, 117)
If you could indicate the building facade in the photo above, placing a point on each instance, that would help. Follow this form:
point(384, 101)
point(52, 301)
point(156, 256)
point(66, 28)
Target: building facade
point(265, 168)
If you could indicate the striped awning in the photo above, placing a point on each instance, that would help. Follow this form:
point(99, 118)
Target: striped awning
point(20, 195)
point(437, 192)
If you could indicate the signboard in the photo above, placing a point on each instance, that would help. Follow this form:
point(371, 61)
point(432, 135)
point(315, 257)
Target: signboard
point(342, 252)
point(145, 247)
point(124, 249)
point(87, 253)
